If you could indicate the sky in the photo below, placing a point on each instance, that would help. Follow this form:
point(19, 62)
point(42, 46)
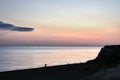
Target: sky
point(59, 22)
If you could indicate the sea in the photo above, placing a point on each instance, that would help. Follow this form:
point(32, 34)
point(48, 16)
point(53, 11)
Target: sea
point(18, 58)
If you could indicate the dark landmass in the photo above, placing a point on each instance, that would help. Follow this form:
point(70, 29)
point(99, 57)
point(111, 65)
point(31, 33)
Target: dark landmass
point(108, 59)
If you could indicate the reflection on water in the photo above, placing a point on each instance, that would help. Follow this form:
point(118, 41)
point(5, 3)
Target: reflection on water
point(12, 58)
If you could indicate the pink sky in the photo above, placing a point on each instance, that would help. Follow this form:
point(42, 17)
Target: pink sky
point(63, 37)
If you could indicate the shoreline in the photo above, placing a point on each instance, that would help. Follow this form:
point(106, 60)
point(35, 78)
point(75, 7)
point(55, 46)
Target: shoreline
point(42, 67)
point(107, 58)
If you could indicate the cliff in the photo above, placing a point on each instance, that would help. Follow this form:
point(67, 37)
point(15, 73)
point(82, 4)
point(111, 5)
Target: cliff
point(106, 66)
point(109, 56)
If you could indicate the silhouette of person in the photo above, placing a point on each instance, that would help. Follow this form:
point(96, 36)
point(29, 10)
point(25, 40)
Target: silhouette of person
point(45, 65)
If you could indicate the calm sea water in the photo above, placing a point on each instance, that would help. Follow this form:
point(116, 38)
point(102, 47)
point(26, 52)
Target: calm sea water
point(14, 58)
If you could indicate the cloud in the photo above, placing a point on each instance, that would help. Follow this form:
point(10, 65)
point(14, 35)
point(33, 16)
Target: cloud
point(6, 26)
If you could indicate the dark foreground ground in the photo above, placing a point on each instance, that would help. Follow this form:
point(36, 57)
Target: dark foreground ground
point(64, 72)
point(108, 57)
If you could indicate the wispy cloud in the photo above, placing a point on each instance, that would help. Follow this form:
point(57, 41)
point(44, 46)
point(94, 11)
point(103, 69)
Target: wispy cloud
point(11, 27)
